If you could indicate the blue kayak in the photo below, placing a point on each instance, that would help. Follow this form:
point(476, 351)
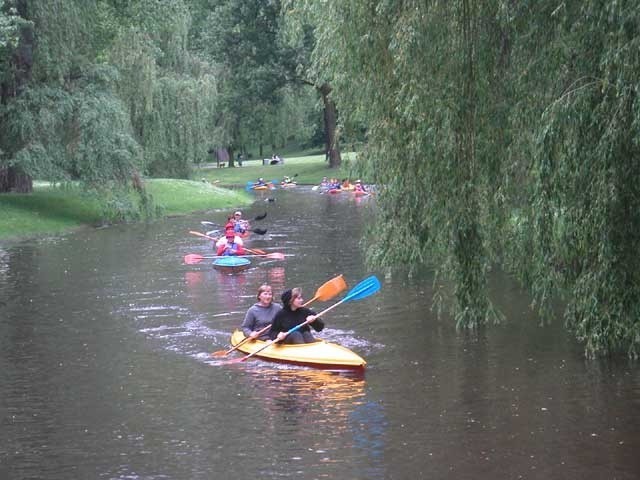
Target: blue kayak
point(231, 264)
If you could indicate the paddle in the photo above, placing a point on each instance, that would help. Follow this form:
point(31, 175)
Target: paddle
point(329, 290)
point(326, 291)
point(259, 231)
point(193, 232)
point(365, 288)
point(255, 251)
point(224, 353)
point(262, 216)
point(294, 176)
point(193, 258)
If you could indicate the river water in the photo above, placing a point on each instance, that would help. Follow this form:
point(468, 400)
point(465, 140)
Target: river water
point(105, 370)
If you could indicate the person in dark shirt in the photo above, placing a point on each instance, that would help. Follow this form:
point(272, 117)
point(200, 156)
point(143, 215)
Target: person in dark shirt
point(292, 315)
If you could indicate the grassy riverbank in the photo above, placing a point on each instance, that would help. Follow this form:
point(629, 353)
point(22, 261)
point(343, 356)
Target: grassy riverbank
point(53, 210)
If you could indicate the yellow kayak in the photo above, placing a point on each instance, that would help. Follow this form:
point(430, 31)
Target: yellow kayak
point(319, 354)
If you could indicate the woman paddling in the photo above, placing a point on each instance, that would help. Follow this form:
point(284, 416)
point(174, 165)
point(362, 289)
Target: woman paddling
point(292, 315)
point(260, 315)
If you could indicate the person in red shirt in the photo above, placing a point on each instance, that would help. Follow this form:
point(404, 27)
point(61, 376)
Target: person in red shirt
point(360, 187)
point(230, 246)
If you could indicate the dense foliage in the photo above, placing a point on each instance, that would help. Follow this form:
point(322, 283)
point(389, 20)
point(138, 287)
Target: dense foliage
point(103, 91)
point(504, 133)
point(263, 99)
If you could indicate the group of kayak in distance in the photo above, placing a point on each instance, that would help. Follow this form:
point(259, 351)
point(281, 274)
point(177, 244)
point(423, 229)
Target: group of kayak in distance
point(327, 185)
point(333, 185)
point(261, 184)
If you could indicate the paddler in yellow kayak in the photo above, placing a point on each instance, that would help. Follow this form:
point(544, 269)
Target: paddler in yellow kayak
point(292, 315)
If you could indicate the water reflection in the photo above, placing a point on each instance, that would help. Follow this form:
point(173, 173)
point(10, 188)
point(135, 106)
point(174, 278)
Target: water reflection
point(368, 424)
point(226, 286)
point(276, 277)
point(328, 410)
point(281, 386)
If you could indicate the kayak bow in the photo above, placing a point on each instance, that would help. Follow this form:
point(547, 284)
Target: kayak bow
point(231, 264)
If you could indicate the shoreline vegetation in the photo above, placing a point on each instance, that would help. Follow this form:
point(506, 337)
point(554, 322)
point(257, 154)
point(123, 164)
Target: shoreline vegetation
point(59, 209)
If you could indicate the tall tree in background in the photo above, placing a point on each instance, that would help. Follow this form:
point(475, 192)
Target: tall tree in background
point(413, 71)
point(260, 67)
point(299, 35)
point(242, 37)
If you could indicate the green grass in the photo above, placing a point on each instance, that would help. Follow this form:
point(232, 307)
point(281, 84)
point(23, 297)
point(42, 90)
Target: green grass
point(185, 196)
point(46, 210)
point(53, 210)
point(309, 169)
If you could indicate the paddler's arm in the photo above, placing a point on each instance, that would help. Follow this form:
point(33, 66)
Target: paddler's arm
point(315, 322)
point(248, 323)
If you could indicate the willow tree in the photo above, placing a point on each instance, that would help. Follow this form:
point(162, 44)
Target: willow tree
point(259, 68)
point(581, 218)
point(413, 70)
point(501, 132)
point(60, 118)
point(171, 93)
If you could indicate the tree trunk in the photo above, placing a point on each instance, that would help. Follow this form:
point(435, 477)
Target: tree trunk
point(12, 179)
point(231, 162)
point(332, 145)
